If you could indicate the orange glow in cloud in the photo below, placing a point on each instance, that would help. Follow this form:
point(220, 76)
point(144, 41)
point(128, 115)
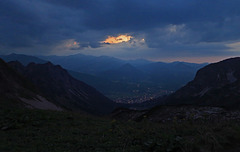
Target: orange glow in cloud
point(71, 43)
point(118, 39)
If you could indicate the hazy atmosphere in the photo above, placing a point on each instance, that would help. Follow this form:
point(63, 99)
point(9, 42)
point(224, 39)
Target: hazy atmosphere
point(120, 75)
point(159, 30)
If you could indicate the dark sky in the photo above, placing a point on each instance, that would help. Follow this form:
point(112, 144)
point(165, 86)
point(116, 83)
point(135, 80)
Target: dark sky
point(166, 30)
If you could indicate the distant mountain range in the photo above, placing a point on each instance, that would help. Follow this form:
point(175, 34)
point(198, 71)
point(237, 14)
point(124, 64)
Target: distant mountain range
point(85, 63)
point(48, 86)
point(39, 85)
point(121, 80)
point(214, 94)
point(169, 76)
point(24, 59)
point(173, 75)
point(91, 64)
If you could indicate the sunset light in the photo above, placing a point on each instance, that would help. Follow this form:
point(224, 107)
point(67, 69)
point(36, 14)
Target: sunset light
point(112, 75)
point(71, 43)
point(118, 39)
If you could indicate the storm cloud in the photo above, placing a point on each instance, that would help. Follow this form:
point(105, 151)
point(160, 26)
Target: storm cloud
point(160, 28)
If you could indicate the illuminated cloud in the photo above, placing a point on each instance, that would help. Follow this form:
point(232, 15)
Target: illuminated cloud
point(118, 39)
point(72, 44)
point(156, 29)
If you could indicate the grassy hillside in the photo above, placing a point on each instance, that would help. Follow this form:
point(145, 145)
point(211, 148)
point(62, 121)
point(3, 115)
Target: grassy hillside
point(37, 130)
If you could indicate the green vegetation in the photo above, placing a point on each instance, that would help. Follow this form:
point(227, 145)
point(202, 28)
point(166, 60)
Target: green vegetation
point(37, 130)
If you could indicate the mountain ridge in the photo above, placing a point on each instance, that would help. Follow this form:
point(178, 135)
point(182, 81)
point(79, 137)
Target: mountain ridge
point(49, 85)
point(17, 91)
point(214, 94)
point(217, 84)
point(59, 86)
point(140, 80)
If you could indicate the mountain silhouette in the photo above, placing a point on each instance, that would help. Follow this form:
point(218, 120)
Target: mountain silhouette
point(63, 90)
point(217, 84)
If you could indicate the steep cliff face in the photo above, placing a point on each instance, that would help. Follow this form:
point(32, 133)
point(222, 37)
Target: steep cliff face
point(17, 91)
point(63, 90)
point(217, 84)
point(12, 84)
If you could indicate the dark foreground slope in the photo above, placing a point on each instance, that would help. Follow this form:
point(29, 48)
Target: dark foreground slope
point(50, 131)
point(217, 84)
point(63, 90)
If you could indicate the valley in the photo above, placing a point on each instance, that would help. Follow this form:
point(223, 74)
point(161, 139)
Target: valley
point(119, 76)
point(123, 81)
point(45, 108)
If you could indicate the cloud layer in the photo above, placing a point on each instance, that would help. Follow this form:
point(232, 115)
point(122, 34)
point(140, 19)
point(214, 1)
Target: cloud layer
point(158, 28)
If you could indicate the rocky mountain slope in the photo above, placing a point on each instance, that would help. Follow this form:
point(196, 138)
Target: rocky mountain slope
point(63, 90)
point(217, 84)
point(121, 80)
point(214, 95)
point(17, 91)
